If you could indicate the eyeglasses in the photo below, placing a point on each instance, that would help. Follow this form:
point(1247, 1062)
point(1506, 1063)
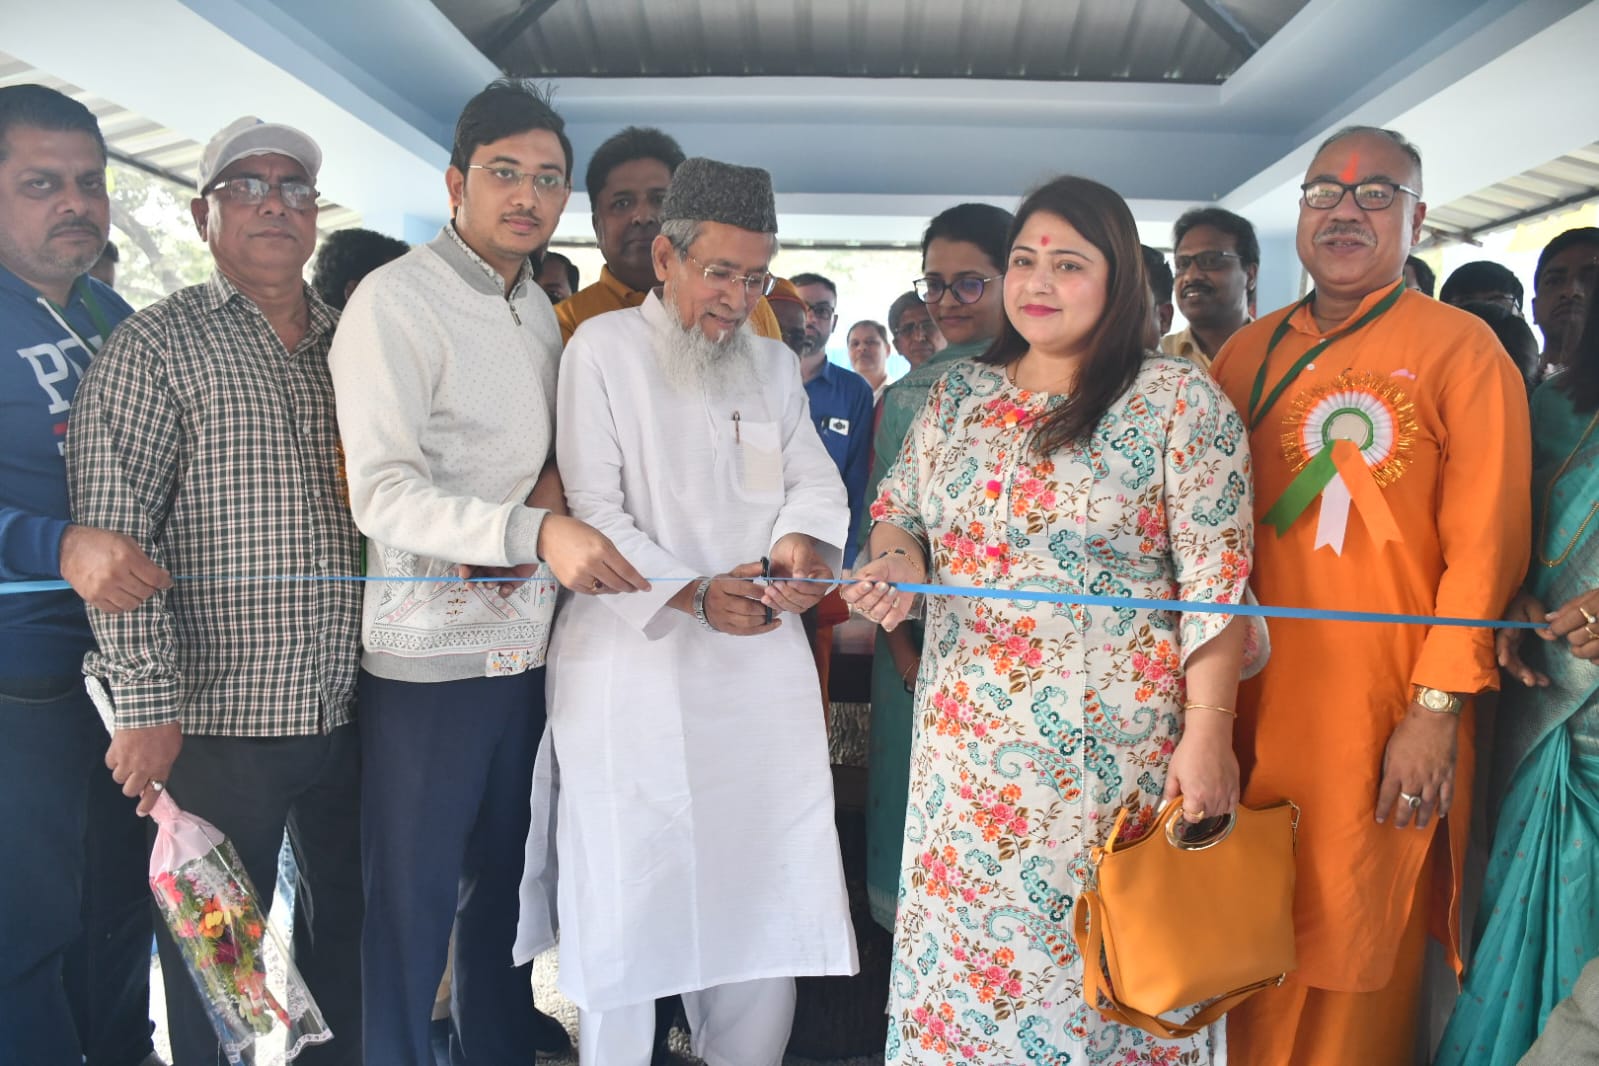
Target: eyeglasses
point(296, 195)
point(921, 327)
point(723, 278)
point(1326, 194)
point(823, 310)
point(1208, 260)
point(1507, 300)
point(509, 179)
point(966, 290)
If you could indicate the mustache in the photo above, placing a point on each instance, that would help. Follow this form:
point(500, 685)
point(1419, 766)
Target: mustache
point(1341, 231)
point(68, 227)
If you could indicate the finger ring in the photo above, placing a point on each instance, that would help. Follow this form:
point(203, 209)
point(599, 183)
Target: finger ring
point(1414, 801)
point(596, 584)
point(158, 786)
point(1588, 629)
point(1588, 615)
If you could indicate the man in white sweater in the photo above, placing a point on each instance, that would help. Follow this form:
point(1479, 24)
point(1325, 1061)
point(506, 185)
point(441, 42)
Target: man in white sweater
point(444, 367)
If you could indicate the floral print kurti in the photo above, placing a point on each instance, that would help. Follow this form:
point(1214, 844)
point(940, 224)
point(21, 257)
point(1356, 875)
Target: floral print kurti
point(1037, 722)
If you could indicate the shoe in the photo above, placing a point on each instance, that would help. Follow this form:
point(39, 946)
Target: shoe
point(549, 1036)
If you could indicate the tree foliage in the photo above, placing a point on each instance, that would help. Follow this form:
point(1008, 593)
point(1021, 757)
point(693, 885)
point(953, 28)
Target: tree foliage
point(155, 237)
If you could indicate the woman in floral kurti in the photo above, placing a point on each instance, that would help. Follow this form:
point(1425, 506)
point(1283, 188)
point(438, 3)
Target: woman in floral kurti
point(1069, 461)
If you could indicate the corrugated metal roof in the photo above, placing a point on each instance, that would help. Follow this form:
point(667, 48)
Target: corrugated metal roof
point(1554, 186)
point(133, 140)
point(1195, 41)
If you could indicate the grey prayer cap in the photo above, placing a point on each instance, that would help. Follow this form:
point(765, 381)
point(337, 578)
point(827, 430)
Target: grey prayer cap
point(704, 190)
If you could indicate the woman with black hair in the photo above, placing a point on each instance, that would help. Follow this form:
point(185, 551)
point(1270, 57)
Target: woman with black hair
point(1068, 459)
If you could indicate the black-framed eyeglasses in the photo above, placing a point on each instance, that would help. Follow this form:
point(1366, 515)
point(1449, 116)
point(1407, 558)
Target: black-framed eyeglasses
point(545, 182)
point(821, 310)
point(925, 328)
point(1326, 194)
point(1208, 260)
point(296, 195)
point(965, 289)
point(723, 278)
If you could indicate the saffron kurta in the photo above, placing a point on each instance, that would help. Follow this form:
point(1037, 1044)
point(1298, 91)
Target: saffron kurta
point(609, 294)
point(1035, 723)
point(1314, 725)
point(695, 811)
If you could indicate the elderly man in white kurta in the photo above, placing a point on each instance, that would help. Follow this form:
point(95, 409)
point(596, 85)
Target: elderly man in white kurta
point(695, 817)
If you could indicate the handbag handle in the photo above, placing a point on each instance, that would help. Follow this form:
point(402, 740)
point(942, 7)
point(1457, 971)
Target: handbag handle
point(1096, 983)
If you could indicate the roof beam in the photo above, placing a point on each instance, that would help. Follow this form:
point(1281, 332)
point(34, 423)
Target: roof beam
point(519, 23)
point(1470, 236)
point(1224, 24)
point(163, 173)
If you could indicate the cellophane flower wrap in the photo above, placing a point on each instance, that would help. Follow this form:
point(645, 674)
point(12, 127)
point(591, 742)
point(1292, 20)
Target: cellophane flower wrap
point(257, 1002)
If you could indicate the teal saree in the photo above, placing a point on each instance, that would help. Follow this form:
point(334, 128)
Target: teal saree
point(1539, 920)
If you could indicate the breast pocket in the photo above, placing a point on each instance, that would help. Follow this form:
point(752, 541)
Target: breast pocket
point(758, 463)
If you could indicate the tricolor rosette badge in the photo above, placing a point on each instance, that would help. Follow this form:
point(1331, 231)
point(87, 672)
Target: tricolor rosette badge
point(1348, 440)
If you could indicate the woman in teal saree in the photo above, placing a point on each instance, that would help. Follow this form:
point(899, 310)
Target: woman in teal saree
point(1539, 920)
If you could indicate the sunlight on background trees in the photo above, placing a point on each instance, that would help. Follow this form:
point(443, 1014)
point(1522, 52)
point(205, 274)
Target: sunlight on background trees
point(160, 250)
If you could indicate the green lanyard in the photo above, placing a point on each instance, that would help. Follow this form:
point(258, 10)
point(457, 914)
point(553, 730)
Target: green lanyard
point(1257, 410)
point(96, 315)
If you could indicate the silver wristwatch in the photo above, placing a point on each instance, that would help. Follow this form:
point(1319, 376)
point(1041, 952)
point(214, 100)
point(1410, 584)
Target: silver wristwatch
point(699, 605)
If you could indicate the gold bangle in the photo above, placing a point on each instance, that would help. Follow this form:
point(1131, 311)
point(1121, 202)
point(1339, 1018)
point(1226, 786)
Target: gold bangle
point(1228, 711)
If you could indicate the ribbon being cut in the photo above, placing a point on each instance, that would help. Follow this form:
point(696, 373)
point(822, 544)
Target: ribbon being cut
point(1348, 439)
point(259, 1006)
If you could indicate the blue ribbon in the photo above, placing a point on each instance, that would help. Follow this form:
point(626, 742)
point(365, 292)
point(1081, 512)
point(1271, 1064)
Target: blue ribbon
point(12, 588)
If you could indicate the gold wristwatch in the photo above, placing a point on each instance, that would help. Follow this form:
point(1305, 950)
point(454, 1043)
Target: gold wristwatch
point(1436, 700)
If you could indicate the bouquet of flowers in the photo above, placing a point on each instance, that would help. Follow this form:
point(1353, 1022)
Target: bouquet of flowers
point(254, 995)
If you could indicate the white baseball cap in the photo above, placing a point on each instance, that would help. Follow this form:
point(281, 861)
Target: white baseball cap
point(250, 136)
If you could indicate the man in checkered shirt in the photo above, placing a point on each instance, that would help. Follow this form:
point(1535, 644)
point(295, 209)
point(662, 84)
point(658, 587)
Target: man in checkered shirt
point(205, 431)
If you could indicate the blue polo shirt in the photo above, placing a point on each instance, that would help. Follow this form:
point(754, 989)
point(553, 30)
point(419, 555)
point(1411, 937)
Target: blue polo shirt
point(841, 408)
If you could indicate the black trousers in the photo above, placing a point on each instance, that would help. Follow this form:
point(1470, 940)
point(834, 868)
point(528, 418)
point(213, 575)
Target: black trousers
point(253, 790)
point(75, 904)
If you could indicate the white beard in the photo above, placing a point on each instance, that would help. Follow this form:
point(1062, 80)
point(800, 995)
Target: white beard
point(692, 361)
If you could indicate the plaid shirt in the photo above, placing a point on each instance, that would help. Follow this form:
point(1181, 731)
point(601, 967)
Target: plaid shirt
point(196, 433)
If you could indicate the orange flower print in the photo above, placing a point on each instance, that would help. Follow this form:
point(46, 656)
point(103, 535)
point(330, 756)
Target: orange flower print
point(1234, 568)
point(997, 813)
point(1157, 670)
point(1152, 528)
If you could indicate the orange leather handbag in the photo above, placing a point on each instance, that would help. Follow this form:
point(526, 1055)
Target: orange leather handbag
point(1169, 922)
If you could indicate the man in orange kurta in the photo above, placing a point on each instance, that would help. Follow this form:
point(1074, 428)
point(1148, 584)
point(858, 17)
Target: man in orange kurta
point(626, 182)
point(1369, 727)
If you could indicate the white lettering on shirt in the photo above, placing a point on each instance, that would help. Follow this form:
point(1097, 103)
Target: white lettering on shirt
point(52, 365)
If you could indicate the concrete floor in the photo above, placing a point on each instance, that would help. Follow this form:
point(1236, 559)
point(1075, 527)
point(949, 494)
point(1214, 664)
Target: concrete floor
point(549, 1000)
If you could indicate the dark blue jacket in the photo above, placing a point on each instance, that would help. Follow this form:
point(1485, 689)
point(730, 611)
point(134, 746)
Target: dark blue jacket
point(42, 634)
point(841, 408)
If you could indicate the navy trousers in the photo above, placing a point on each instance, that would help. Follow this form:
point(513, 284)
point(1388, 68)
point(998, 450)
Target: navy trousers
point(254, 789)
point(444, 822)
point(75, 908)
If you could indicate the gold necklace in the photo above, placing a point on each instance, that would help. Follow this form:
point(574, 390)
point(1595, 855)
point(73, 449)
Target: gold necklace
point(1549, 495)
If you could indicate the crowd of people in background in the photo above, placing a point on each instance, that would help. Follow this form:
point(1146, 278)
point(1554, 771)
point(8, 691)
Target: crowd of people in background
point(579, 698)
